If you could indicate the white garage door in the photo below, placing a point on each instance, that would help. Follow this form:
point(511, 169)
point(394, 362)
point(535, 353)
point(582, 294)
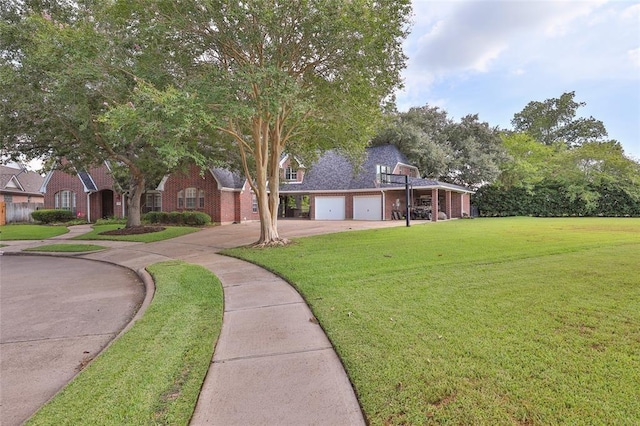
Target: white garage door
point(367, 207)
point(330, 208)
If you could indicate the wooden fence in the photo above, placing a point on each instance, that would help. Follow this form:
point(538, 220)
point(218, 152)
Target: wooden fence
point(18, 212)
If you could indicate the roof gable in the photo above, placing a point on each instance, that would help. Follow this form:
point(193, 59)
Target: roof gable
point(20, 180)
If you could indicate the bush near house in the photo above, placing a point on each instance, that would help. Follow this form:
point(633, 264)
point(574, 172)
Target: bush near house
point(178, 218)
point(52, 215)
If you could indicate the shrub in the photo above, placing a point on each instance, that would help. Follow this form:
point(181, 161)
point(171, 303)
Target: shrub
point(196, 218)
point(52, 215)
point(111, 221)
point(178, 218)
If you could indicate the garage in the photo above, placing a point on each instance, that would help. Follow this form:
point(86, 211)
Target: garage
point(329, 208)
point(367, 207)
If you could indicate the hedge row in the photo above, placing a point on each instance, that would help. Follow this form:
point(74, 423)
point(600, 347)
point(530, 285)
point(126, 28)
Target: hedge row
point(550, 198)
point(52, 215)
point(178, 218)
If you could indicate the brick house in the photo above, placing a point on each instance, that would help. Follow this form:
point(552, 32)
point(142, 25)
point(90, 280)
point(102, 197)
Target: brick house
point(91, 193)
point(223, 195)
point(331, 189)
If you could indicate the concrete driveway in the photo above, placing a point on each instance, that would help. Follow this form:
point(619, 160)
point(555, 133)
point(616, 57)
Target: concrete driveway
point(56, 314)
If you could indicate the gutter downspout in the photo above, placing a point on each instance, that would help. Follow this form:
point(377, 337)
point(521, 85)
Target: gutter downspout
point(384, 216)
point(89, 206)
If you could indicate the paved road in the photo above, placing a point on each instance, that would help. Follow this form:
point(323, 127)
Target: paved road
point(55, 315)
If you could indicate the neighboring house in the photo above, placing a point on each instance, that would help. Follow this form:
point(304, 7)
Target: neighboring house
point(331, 189)
point(20, 193)
point(223, 195)
point(18, 185)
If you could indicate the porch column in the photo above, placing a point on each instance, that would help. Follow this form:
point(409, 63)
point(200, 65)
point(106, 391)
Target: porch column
point(434, 205)
point(447, 204)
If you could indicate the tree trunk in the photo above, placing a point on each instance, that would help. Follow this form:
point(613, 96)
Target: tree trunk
point(268, 170)
point(137, 185)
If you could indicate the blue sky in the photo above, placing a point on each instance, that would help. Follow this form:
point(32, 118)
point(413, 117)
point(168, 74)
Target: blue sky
point(493, 57)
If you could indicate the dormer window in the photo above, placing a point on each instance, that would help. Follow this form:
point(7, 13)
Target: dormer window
point(382, 172)
point(290, 173)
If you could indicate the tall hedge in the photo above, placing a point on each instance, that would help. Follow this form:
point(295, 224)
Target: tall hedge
point(555, 198)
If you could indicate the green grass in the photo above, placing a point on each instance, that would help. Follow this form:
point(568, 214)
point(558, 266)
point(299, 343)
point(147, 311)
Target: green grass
point(30, 232)
point(169, 232)
point(153, 373)
point(66, 248)
point(487, 321)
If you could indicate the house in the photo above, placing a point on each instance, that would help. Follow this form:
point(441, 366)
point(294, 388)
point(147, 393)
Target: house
point(19, 185)
point(94, 194)
point(224, 195)
point(19, 193)
point(331, 189)
point(90, 194)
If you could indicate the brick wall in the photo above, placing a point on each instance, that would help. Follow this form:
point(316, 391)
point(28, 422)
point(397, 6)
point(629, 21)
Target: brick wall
point(61, 181)
point(191, 178)
point(246, 213)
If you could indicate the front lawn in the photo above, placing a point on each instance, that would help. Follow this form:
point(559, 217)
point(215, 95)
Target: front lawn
point(30, 232)
point(153, 373)
point(487, 321)
point(169, 232)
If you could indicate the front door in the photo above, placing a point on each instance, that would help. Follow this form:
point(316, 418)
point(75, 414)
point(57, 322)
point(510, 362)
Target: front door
point(107, 204)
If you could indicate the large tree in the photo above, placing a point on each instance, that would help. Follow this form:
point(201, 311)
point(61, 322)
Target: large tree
point(554, 120)
point(296, 76)
point(70, 75)
point(467, 152)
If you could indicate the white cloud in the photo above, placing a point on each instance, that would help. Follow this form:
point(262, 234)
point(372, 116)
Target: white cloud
point(634, 56)
point(494, 56)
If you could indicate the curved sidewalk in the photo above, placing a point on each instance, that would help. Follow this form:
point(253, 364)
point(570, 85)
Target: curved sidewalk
point(272, 364)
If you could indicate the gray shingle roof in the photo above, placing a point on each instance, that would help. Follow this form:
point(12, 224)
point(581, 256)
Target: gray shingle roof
point(29, 182)
point(333, 172)
point(227, 178)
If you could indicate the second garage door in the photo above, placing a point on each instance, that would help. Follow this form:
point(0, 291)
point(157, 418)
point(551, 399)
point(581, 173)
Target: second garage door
point(367, 207)
point(330, 208)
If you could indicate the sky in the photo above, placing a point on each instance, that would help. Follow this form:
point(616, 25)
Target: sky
point(493, 57)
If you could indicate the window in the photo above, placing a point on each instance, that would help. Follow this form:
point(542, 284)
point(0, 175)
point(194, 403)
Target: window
point(190, 198)
point(380, 171)
point(181, 199)
point(65, 200)
point(153, 202)
point(290, 173)
point(254, 203)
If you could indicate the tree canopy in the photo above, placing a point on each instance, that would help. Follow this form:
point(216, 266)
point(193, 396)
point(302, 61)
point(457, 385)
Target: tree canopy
point(468, 152)
point(70, 80)
point(554, 120)
point(300, 76)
